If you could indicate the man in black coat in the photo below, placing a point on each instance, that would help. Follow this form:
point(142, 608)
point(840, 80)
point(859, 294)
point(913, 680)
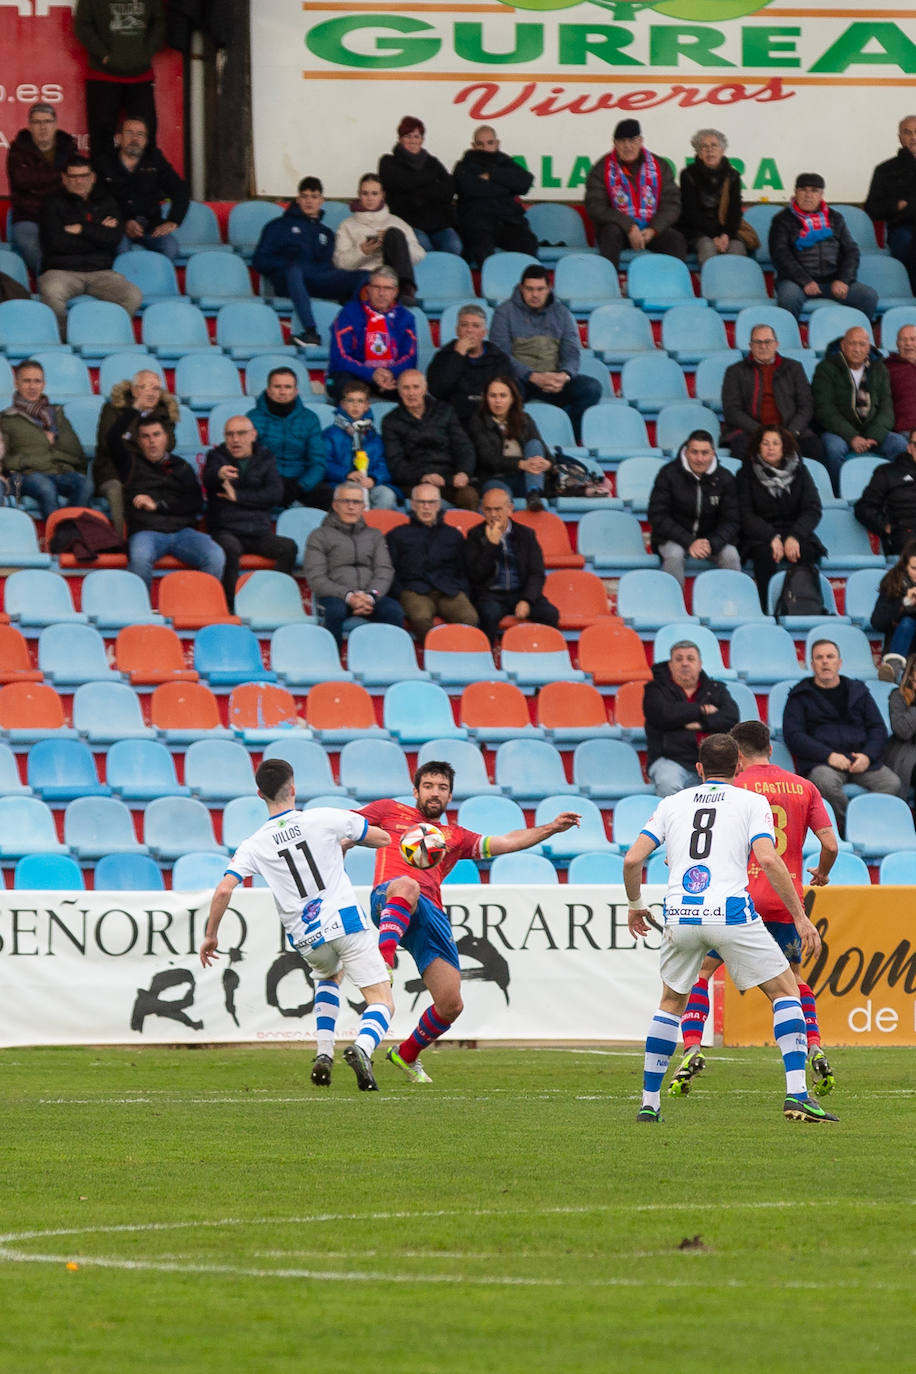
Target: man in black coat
point(162, 499)
point(887, 506)
point(490, 215)
point(506, 568)
point(243, 485)
point(766, 389)
point(429, 567)
point(892, 197)
point(681, 705)
point(140, 177)
point(461, 371)
point(693, 509)
point(425, 443)
point(34, 163)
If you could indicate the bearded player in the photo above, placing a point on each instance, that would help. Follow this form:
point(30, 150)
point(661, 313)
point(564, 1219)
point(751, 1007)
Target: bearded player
point(407, 901)
point(797, 806)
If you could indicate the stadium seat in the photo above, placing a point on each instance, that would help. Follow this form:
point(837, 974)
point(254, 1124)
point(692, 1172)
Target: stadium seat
point(61, 769)
point(656, 869)
point(118, 367)
point(359, 864)
point(216, 770)
point(552, 534)
point(96, 826)
point(674, 422)
point(35, 598)
point(860, 227)
point(821, 479)
point(97, 328)
point(246, 328)
point(153, 273)
point(617, 333)
point(83, 413)
point(297, 523)
point(218, 418)
point(442, 279)
point(568, 712)
point(260, 711)
point(151, 654)
point(127, 873)
point(881, 692)
point(104, 712)
point(847, 542)
point(259, 367)
point(465, 757)
point(579, 596)
point(692, 332)
point(830, 321)
point(226, 655)
point(898, 869)
point(782, 322)
point(71, 654)
point(806, 622)
point(586, 281)
point(309, 762)
point(612, 541)
point(559, 230)
point(174, 826)
point(302, 655)
point(861, 595)
point(138, 770)
point(731, 283)
point(491, 815)
point(113, 598)
point(418, 711)
point(339, 712)
point(194, 600)
point(602, 868)
point(448, 324)
point(636, 478)
point(554, 427)
point(617, 434)
point(501, 273)
point(464, 520)
point(27, 328)
point(172, 329)
point(246, 220)
point(15, 663)
point(588, 836)
point(48, 873)
point(14, 266)
point(337, 802)
point(199, 871)
point(199, 232)
point(607, 770)
point(496, 711)
point(724, 599)
point(776, 703)
point(378, 655)
point(877, 825)
point(705, 641)
point(10, 784)
point(656, 282)
point(27, 827)
point(456, 655)
point(746, 702)
point(649, 598)
point(533, 655)
point(66, 377)
point(204, 380)
point(849, 871)
point(30, 711)
point(708, 378)
point(889, 278)
point(630, 815)
point(651, 382)
point(855, 650)
point(611, 653)
point(183, 712)
point(509, 870)
point(528, 769)
point(371, 767)
point(19, 539)
point(856, 473)
point(892, 321)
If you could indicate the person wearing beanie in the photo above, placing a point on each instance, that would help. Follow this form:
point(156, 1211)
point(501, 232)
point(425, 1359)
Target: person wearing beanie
point(632, 199)
point(814, 253)
point(419, 189)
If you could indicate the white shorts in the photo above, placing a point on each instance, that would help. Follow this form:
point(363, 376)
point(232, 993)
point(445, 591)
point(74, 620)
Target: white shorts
point(358, 956)
point(751, 954)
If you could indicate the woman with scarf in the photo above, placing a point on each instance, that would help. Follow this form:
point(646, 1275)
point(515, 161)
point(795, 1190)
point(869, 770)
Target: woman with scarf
point(814, 254)
point(900, 753)
point(372, 237)
point(510, 451)
point(43, 453)
point(711, 199)
point(778, 505)
point(419, 189)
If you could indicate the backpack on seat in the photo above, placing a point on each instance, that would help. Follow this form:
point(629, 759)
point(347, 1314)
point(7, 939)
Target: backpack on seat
point(801, 592)
point(577, 476)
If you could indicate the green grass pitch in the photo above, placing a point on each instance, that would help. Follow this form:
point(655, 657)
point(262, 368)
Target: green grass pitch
point(226, 1216)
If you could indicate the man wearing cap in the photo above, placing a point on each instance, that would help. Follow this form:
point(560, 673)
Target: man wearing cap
point(37, 156)
point(814, 253)
point(633, 200)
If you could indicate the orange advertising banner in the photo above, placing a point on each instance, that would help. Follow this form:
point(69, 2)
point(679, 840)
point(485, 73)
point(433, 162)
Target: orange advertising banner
point(864, 979)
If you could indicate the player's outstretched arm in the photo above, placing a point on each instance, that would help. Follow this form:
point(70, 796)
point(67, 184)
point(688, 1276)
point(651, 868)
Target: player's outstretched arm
point(218, 903)
point(829, 850)
point(375, 838)
point(514, 840)
point(636, 857)
point(781, 883)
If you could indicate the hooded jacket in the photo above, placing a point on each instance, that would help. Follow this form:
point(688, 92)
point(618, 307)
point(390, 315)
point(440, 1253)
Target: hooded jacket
point(295, 441)
point(435, 442)
point(835, 393)
point(129, 35)
point(293, 237)
point(684, 507)
point(890, 499)
point(115, 446)
point(428, 558)
point(668, 713)
point(95, 247)
point(338, 444)
point(31, 177)
point(363, 224)
point(259, 487)
point(340, 559)
point(832, 259)
point(492, 197)
point(522, 332)
point(742, 395)
point(813, 727)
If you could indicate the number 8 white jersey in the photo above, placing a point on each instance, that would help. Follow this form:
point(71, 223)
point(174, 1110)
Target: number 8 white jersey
point(708, 831)
point(299, 856)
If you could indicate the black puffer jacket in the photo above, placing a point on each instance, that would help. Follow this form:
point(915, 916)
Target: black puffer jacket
point(794, 511)
point(684, 507)
point(91, 250)
point(174, 487)
point(433, 443)
point(891, 182)
point(259, 488)
point(831, 259)
point(494, 197)
point(418, 189)
point(462, 380)
point(668, 713)
point(488, 442)
point(890, 499)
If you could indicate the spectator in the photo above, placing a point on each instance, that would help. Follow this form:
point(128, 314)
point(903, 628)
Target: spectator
point(693, 509)
point(425, 443)
point(900, 753)
point(632, 199)
point(682, 705)
point(164, 499)
point(778, 507)
point(80, 234)
point(459, 372)
point(506, 568)
point(37, 156)
point(542, 338)
point(296, 251)
point(894, 615)
point(835, 732)
point(765, 388)
point(116, 439)
point(711, 199)
point(887, 506)
point(41, 450)
point(901, 367)
point(139, 178)
point(814, 253)
point(348, 567)
point(243, 485)
point(429, 566)
point(292, 433)
point(852, 402)
point(373, 337)
point(372, 237)
point(121, 42)
point(490, 215)
point(355, 449)
point(892, 197)
point(508, 446)
point(419, 189)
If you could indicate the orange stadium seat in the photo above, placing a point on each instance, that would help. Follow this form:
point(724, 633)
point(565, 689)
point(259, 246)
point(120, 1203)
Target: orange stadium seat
point(150, 655)
point(610, 652)
point(188, 709)
point(192, 600)
point(462, 520)
point(495, 711)
point(340, 706)
point(259, 707)
point(67, 560)
point(553, 536)
point(385, 520)
point(578, 596)
point(15, 664)
point(628, 712)
point(457, 639)
point(30, 710)
point(571, 707)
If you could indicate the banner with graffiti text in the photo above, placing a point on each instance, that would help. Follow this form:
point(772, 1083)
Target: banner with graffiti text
point(814, 87)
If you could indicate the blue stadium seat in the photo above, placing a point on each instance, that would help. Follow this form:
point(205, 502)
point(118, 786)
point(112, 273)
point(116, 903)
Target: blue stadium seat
point(334, 212)
point(336, 801)
point(898, 869)
point(881, 692)
point(707, 380)
point(464, 871)
point(105, 712)
point(242, 816)
point(606, 770)
point(19, 541)
point(199, 232)
point(418, 711)
point(856, 473)
point(889, 278)
point(649, 598)
point(172, 329)
point(877, 825)
point(14, 266)
point(259, 367)
point(442, 279)
point(139, 770)
point(153, 273)
point(586, 281)
point(855, 650)
point(830, 321)
point(501, 274)
point(448, 323)
point(656, 869)
point(674, 422)
point(847, 542)
point(731, 284)
point(559, 230)
point(217, 770)
point(7, 382)
point(554, 426)
point(465, 757)
point(118, 367)
point(246, 220)
point(765, 654)
point(611, 542)
point(692, 332)
point(265, 600)
point(66, 377)
point(892, 321)
point(493, 816)
point(325, 313)
point(745, 701)
point(630, 816)
point(219, 417)
point(310, 764)
point(48, 873)
point(779, 754)
point(378, 655)
point(34, 597)
point(27, 827)
point(198, 872)
point(28, 327)
point(97, 328)
point(528, 769)
point(652, 381)
point(861, 595)
point(246, 328)
point(96, 826)
point(760, 217)
point(188, 443)
point(821, 478)
point(656, 282)
point(128, 873)
point(509, 870)
point(10, 785)
point(635, 480)
point(205, 380)
point(601, 868)
point(805, 622)
point(178, 825)
point(776, 704)
point(806, 356)
point(302, 655)
point(61, 769)
point(861, 227)
point(724, 599)
point(617, 332)
point(703, 638)
point(782, 322)
point(372, 767)
point(588, 836)
point(590, 366)
point(226, 655)
point(617, 434)
point(359, 864)
point(114, 597)
point(71, 654)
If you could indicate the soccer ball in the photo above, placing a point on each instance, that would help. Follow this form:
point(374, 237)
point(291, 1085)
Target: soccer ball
point(424, 845)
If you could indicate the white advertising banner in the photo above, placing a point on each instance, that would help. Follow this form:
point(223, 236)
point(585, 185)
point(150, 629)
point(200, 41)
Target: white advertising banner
point(807, 88)
point(553, 963)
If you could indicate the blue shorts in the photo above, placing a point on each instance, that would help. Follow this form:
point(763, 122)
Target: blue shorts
point(786, 937)
point(429, 935)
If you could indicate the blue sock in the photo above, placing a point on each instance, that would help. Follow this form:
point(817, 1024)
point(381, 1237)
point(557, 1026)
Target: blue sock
point(661, 1042)
point(327, 1005)
point(789, 1030)
point(373, 1027)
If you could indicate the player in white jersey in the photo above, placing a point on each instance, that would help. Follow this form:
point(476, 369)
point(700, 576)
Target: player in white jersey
point(710, 831)
point(299, 855)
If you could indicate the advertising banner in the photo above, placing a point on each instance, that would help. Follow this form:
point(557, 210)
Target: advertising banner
point(801, 88)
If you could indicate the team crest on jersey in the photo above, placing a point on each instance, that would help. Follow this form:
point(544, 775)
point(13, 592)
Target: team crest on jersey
point(696, 879)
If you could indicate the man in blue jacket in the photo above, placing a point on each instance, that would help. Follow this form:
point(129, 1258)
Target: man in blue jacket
point(296, 251)
point(835, 732)
point(373, 337)
point(292, 432)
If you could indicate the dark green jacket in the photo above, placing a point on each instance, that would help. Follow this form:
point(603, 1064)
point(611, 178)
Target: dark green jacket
point(835, 394)
point(129, 42)
point(28, 448)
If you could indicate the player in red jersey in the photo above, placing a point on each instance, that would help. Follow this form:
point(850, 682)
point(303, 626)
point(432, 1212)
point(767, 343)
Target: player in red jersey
point(407, 901)
point(797, 807)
